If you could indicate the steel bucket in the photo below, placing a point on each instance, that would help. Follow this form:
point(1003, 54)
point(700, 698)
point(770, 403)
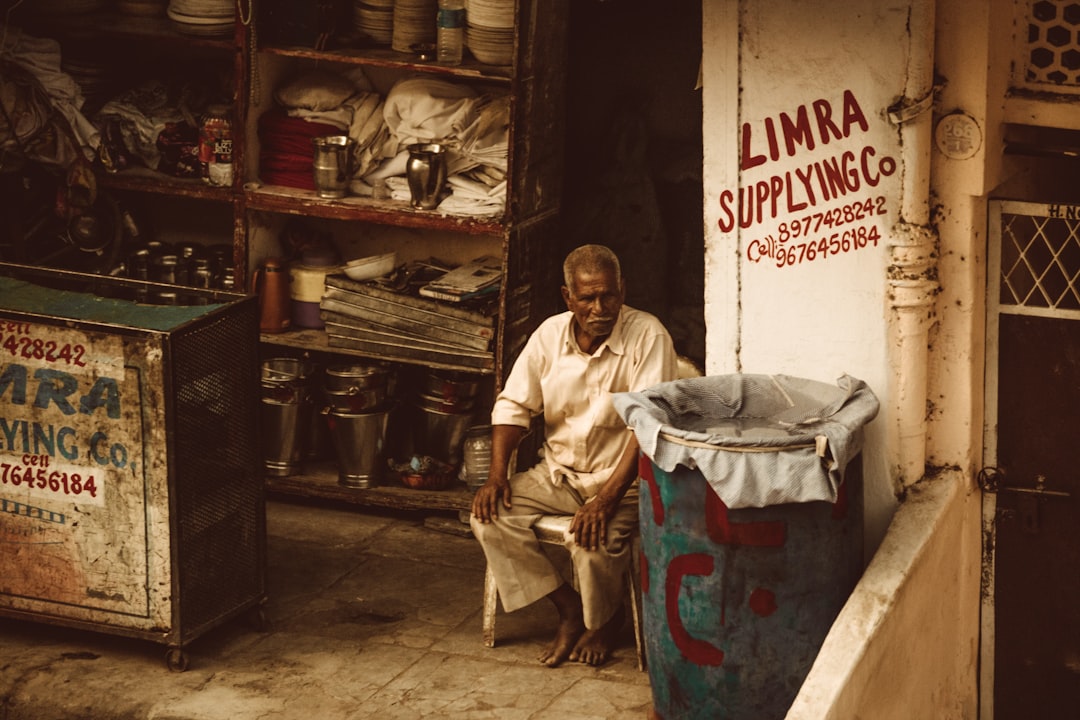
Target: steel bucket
point(440, 434)
point(359, 439)
point(286, 413)
point(357, 377)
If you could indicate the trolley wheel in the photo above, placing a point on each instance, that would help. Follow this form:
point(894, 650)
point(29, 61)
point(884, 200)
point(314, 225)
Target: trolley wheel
point(176, 659)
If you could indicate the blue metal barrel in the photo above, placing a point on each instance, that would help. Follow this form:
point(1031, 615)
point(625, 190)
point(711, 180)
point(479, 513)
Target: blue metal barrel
point(738, 602)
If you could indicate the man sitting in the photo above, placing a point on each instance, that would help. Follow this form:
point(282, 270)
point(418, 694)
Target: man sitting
point(567, 371)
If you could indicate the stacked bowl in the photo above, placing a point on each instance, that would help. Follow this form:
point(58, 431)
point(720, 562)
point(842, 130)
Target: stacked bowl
point(205, 18)
point(374, 19)
point(414, 23)
point(489, 30)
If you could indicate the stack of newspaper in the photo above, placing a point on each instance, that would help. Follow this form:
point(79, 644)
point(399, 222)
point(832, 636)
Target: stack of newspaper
point(472, 280)
point(371, 318)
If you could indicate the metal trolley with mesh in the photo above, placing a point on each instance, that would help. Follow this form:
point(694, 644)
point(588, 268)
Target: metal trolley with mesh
point(131, 493)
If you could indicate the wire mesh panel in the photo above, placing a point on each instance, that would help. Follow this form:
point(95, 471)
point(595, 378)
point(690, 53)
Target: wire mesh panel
point(1052, 49)
point(217, 478)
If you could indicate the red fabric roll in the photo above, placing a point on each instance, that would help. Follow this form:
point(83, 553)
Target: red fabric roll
point(286, 153)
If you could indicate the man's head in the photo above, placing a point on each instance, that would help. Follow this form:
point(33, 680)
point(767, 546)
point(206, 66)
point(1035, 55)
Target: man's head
point(594, 291)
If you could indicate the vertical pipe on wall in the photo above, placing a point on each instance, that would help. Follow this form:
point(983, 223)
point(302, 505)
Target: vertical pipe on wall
point(912, 268)
point(721, 105)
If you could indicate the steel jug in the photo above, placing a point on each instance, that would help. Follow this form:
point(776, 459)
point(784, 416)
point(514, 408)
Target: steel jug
point(425, 171)
point(332, 165)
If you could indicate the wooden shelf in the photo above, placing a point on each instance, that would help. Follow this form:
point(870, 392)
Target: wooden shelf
point(384, 57)
point(277, 49)
point(317, 341)
point(321, 482)
point(136, 29)
point(294, 201)
point(146, 180)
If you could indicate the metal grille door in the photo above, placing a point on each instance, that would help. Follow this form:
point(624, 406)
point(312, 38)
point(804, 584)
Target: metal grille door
point(1031, 522)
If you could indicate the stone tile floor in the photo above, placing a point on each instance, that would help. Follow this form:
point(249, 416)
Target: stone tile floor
point(369, 615)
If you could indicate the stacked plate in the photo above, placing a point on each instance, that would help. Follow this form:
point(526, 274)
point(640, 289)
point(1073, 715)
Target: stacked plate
point(489, 30)
point(375, 20)
point(414, 22)
point(206, 18)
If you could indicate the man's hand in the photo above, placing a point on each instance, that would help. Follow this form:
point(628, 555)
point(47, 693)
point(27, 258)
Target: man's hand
point(496, 491)
point(589, 525)
point(485, 504)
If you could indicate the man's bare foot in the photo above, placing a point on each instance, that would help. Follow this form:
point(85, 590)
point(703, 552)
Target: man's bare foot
point(593, 646)
point(566, 637)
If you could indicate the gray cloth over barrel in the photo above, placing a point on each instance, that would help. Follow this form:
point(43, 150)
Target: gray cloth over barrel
point(758, 440)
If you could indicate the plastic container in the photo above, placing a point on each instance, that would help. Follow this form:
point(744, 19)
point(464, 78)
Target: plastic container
point(307, 282)
point(477, 455)
point(306, 285)
point(215, 147)
point(450, 32)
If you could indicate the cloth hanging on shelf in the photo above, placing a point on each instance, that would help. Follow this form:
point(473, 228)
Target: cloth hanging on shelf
point(40, 58)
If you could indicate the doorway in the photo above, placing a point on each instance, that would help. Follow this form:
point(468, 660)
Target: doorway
point(634, 154)
point(1031, 512)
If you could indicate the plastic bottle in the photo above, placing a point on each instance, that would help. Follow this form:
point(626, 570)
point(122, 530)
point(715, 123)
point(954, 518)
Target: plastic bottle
point(450, 37)
point(215, 146)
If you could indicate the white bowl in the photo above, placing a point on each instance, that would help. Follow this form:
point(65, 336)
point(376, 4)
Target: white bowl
point(374, 266)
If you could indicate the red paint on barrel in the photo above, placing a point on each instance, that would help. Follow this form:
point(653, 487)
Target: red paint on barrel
point(693, 649)
point(645, 471)
point(724, 532)
point(763, 602)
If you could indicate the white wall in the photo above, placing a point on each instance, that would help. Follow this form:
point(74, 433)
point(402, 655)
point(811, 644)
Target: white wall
point(773, 305)
point(905, 645)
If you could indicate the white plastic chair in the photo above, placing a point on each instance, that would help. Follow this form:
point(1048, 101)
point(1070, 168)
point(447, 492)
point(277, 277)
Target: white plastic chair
point(552, 529)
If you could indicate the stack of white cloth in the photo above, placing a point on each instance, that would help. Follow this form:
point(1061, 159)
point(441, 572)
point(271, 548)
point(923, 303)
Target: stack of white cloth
point(470, 197)
point(473, 127)
point(467, 197)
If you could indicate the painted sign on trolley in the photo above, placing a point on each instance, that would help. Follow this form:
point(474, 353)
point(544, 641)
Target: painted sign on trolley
point(72, 507)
